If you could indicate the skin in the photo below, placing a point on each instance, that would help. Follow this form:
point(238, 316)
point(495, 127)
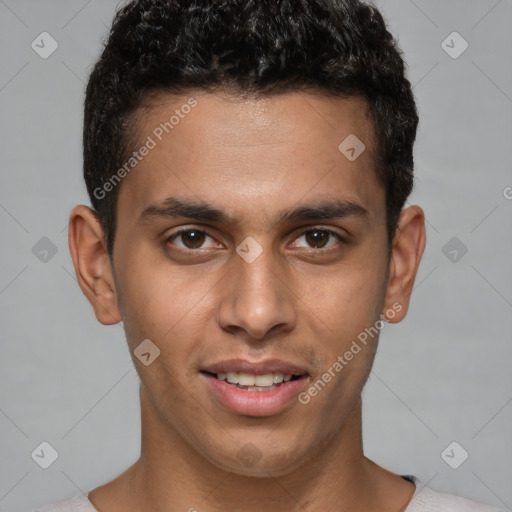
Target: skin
point(296, 302)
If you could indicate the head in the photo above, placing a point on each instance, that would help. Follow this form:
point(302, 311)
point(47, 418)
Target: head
point(237, 116)
point(339, 48)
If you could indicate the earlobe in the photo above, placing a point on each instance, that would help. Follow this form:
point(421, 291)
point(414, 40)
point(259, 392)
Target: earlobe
point(407, 250)
point(92, 264)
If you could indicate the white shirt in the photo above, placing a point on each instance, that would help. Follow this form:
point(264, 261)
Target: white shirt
point(425, 499)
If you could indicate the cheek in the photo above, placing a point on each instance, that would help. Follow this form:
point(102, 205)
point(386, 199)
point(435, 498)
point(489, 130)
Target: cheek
point(349, 299)
point(350, 309)
point(163, 302)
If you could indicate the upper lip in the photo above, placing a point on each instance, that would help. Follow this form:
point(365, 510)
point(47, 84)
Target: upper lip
point(255, 368)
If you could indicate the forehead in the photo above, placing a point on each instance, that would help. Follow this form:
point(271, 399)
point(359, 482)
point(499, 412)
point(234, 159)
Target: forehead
point(265, 153)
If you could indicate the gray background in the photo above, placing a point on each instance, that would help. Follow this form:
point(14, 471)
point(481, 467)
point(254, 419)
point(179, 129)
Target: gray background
point(442, 375)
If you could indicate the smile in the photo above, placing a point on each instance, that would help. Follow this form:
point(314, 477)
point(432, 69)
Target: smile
point(249, 382)
point(254, 389)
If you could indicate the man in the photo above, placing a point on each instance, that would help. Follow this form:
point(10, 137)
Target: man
point(248, 164)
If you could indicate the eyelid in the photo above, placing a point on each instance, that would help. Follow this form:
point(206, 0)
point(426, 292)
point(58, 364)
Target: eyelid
point(186, 229)
point(341, 238)
point(313, 227)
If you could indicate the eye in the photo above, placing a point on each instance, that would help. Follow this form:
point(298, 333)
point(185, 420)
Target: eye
point(190, 238)
point(319, 238)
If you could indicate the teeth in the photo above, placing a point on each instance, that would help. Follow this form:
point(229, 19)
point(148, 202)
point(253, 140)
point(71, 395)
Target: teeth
point(232, 377)
point(246, 379)
point(264, 380)
point(277, 378)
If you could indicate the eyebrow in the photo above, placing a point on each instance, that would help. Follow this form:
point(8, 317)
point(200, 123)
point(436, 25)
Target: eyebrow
point(172, 207)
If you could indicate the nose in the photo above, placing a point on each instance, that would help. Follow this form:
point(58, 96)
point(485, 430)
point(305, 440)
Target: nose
point(257, 299)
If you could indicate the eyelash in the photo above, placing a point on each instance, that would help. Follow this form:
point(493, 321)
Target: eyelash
point(313, 229)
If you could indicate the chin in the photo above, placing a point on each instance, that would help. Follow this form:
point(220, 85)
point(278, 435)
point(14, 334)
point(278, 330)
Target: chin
point(255, 456)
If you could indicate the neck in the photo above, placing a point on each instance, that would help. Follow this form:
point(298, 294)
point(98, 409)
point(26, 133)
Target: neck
point(337, 475)
point(171, 475)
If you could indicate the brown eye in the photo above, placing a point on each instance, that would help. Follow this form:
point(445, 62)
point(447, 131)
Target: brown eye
point(188, 239)
point(192, 239)
point(319, 238)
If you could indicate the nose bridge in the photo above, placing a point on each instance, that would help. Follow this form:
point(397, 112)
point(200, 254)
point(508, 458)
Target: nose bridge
point(257, 299)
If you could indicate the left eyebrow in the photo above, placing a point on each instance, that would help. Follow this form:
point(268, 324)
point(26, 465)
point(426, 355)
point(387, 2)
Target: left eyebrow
point(324, 210)
point(173, 207)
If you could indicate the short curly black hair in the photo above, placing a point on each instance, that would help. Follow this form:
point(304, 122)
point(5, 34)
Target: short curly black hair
point(247, 47)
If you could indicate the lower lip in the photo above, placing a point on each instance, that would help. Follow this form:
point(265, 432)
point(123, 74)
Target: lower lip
point(255, 403)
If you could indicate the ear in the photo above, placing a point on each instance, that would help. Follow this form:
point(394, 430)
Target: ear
point(92, 264)
point(406, 252)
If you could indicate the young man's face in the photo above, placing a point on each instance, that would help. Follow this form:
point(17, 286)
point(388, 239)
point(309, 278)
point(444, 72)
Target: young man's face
point(261, 287)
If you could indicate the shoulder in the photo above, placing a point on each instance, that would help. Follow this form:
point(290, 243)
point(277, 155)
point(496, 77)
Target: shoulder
point(78, 503)
point(427, 499)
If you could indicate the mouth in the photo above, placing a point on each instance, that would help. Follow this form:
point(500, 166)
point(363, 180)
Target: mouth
point(251, 382)
point(254, 389)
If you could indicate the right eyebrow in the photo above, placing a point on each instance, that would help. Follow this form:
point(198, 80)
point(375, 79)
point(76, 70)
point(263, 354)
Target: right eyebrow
point(173, 207)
